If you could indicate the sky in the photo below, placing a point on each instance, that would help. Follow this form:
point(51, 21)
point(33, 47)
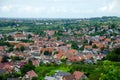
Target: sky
point(59, 8)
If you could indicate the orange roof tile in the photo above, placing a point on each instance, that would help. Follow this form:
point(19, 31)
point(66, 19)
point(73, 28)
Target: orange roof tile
point(20, 35)
point(32, 74)
point(78, 75)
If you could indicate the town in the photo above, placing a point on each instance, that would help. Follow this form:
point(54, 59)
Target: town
point(56, 53)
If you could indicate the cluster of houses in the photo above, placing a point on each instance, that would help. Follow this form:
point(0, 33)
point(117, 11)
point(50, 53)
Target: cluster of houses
point(50, 50)
point(77, 75)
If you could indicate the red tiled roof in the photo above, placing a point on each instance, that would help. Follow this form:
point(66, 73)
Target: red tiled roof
point(8, 67)
point(69, 77)
point(89, 56)
point(47, 49)
point(35, 62)
point(117, 40)
point(73, 51)
point(108, 40)
point(32, 74)
point(88, 47)
point(78, 75)
point(1, 48)
point(1, 58)
point(99, 44)
point(20, 35)
point(59, 55)
point(68, 45)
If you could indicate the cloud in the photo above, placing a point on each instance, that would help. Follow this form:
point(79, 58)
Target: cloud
point(58, 8)
point(6, 8)
point(111, 7)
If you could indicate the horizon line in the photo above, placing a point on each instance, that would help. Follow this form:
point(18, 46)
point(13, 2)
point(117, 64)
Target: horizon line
point(54, 17)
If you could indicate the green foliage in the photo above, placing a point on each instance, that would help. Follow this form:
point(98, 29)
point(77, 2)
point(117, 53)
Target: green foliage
point(74, 45)
point(82, 48)
point(3, 43)
point(35, 78)
point(48, 70)
point(22, 48)
point(10, 49)
point(10, 38)
point(5, 59)
point(94, 46)
point(14, 58)
point(110, 72)
point(26, 41)
point(114, 55)
point(107, 71)
point(47, 53)
point(29, 36)
point(27, 68)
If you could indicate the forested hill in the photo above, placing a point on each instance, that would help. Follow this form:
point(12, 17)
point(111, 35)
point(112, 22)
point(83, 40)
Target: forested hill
point(34, 24)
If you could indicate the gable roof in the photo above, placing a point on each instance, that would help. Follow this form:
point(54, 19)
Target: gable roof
point(59, 55)
point(20, 35)
point(1, 58)
point(108, 40)
point(35, 62)
point(69, 77)
point(62, 73)
point(13, 79)
point(1, 48)
point(78, 75)
point(32, 74)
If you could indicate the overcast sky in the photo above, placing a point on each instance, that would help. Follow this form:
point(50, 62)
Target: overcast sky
point(59, 8)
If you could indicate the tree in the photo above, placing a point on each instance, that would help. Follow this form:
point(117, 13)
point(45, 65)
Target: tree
point(35, 78)
point(29, 36)
point(75, 45)
point(22, 48)
point(110, 72)
point(114, 55)
point(10, 49)
point(94, 46)
point(10, 38)
point(27, 67)
point(47, 53)
point(5, 59)
point(106, 72)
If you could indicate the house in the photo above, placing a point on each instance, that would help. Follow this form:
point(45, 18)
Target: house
point(57, 76)
point(1, 58)
point(49, 78)
point(16, 69)
point(59, 56)
point(1, 48)
point(108, 40)
point(75, 58)
point(30, 75)
point(79, 75)
point(59, 43)
point(34, 48)
point(101, 56)
point(60, 73)
point(69, 77)
point(50, 33)
point(73, 51)
point(22, 63)
point(88, 47)
point(13, 79)
point(99, 44)
point(35, 62)
point(8, 67)
point(20, 36)
point(101, 38)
